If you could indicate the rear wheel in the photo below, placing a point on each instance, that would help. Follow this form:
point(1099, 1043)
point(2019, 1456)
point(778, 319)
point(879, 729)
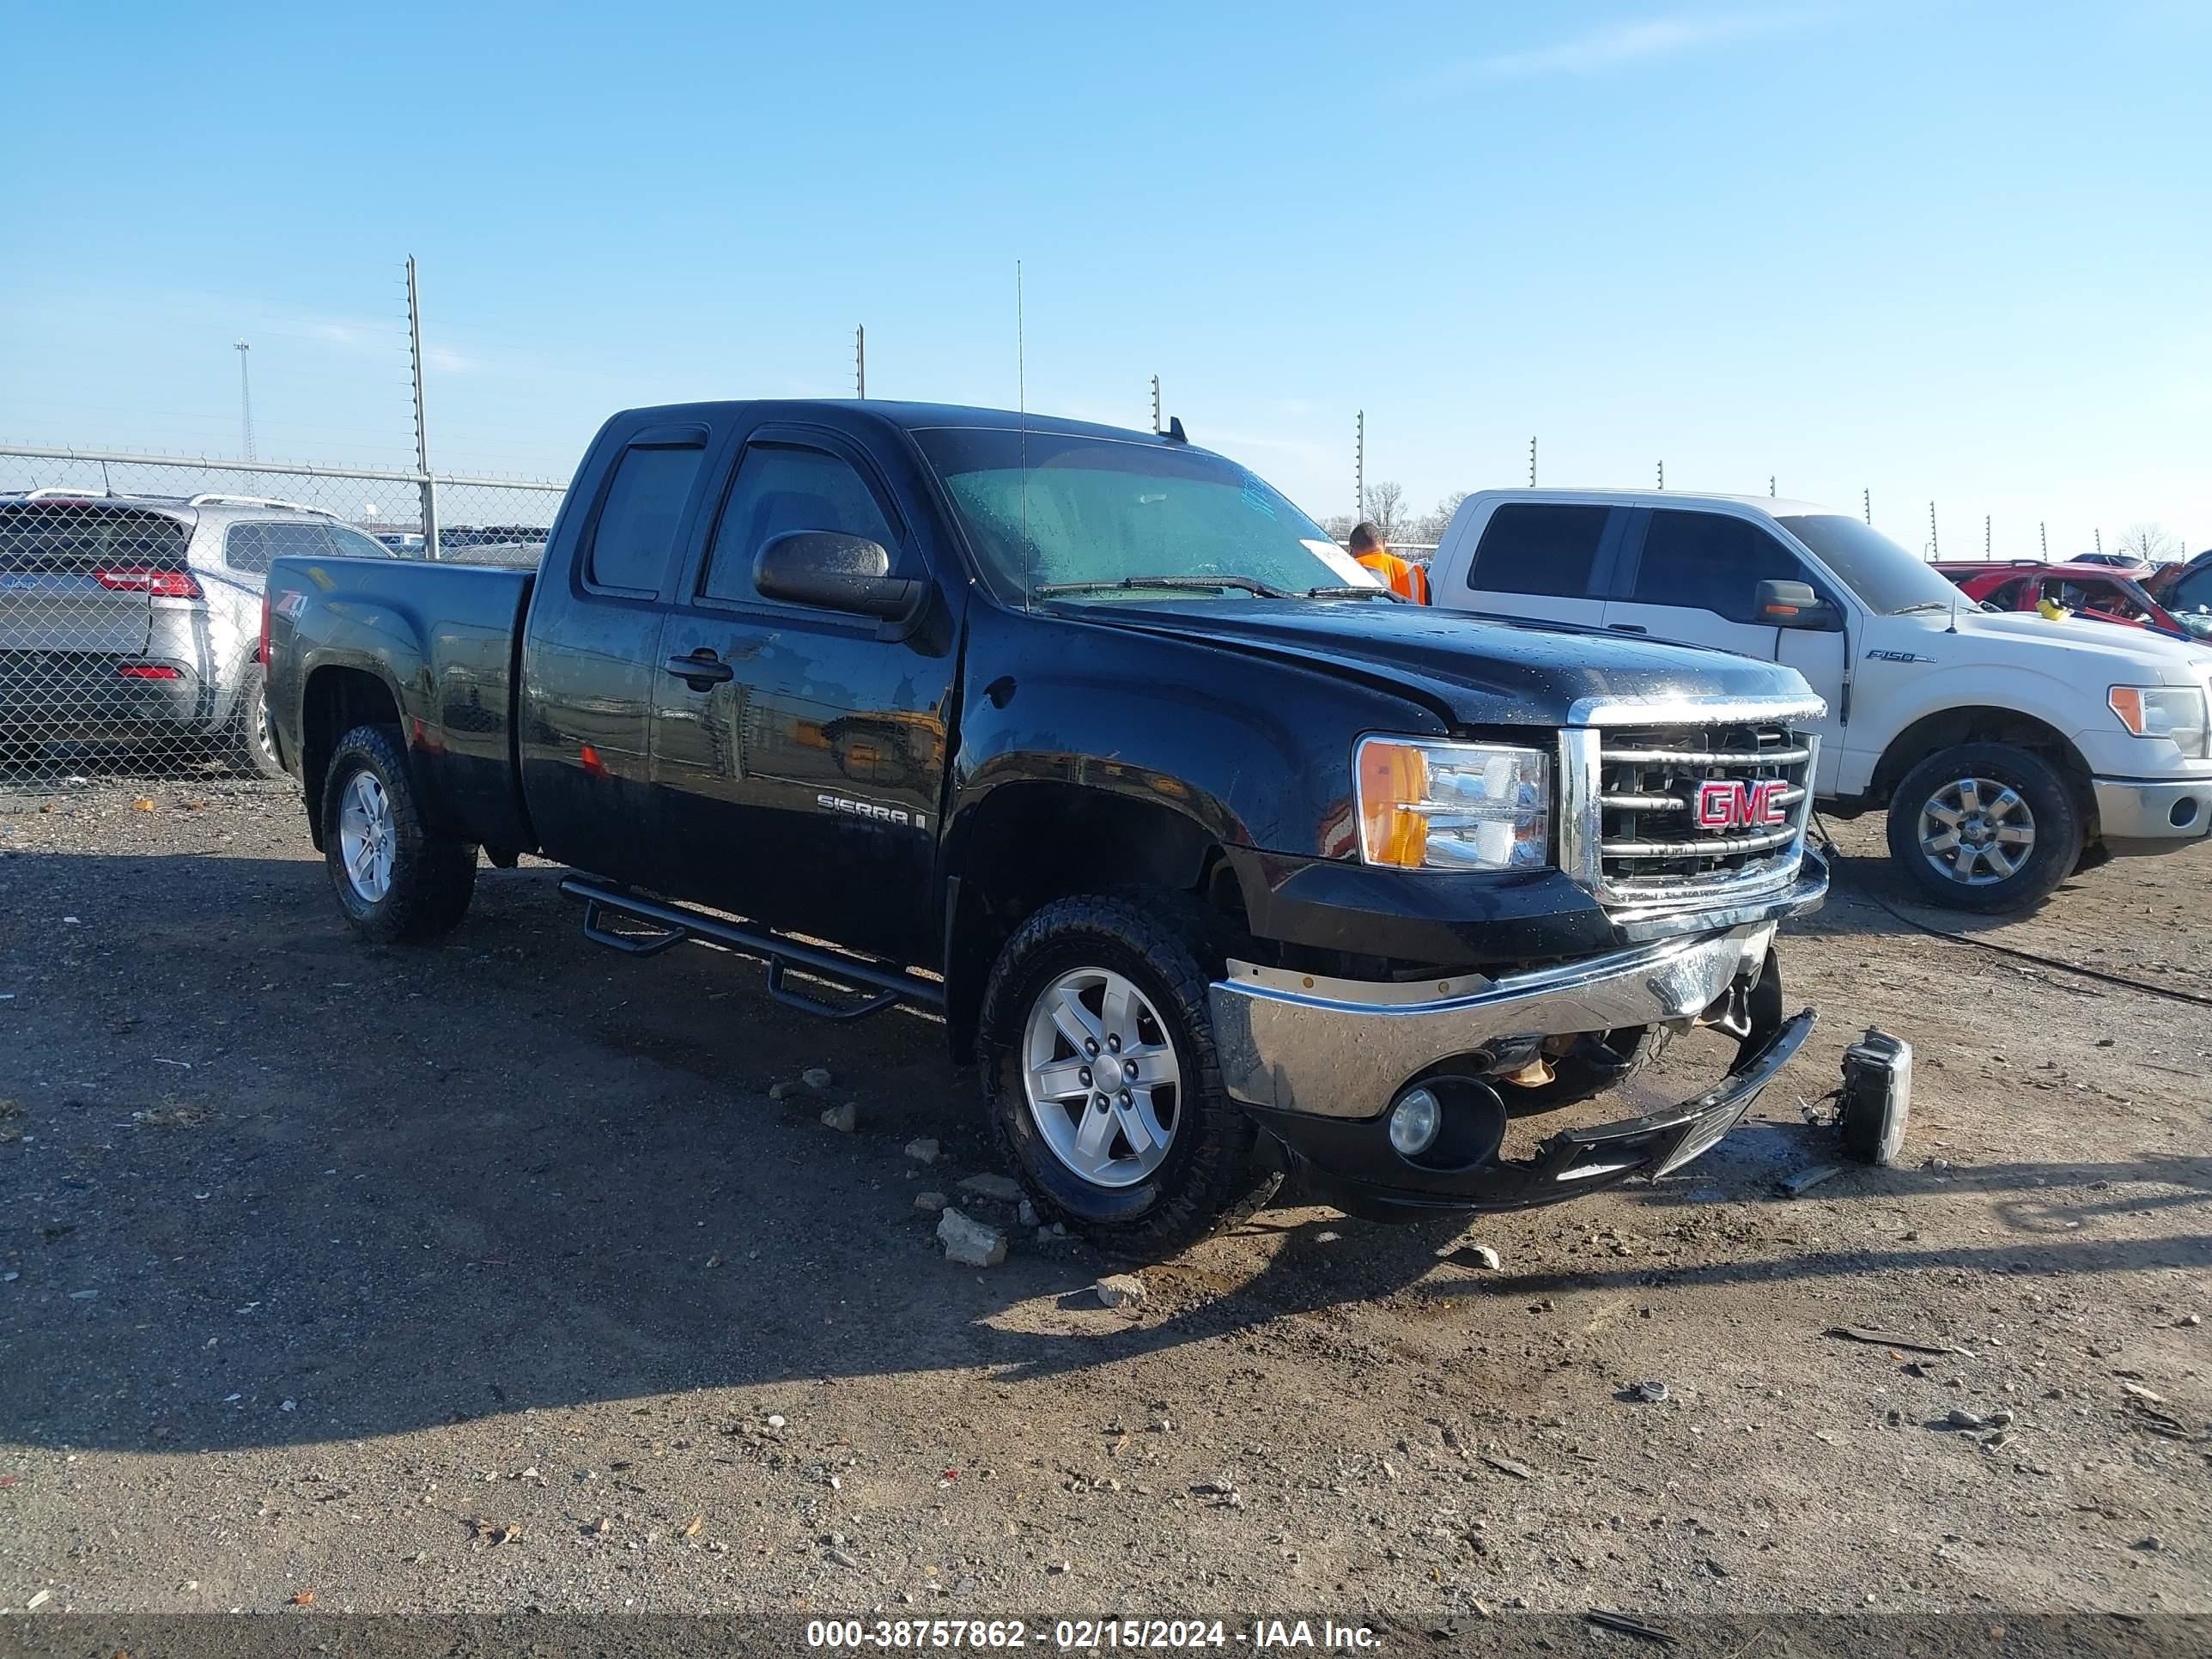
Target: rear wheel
point(253, 746)
point(1986, 827)
point(1096, 1052)
point(395, 880)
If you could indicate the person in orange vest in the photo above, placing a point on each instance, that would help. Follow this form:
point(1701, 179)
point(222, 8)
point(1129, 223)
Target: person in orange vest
point(1400, 575)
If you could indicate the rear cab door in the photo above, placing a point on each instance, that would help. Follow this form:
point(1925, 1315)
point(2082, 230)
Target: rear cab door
point(590, 663)
point(1690, 575)
point(799, 754)
point(1537, 561)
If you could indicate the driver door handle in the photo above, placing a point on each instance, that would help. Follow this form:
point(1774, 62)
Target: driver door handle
point(703, 670)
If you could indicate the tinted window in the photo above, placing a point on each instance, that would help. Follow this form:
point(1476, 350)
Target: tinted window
point(76, 537)
point(1709, 561)
point(248, 548)
point(636, 529)
point(1538, 549)
point(2007, 596)
point(355, 545)
point(1888, 578)
point(780, 489)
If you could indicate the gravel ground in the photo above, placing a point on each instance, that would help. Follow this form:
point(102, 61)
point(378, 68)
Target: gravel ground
point(489, 1277)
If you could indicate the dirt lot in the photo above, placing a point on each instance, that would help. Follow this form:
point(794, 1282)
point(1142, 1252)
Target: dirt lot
point(489, 1276)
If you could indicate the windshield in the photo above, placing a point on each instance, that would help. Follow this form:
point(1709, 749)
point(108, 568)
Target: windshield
point(1107, 510)
point(1889, 579)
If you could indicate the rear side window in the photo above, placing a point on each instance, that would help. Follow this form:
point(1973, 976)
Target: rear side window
point(248, 548)
point(1710, 561)
point(2191, 592)
point(781, 488)
point(2007, 597)
point(1536, 547)
point(636, 530)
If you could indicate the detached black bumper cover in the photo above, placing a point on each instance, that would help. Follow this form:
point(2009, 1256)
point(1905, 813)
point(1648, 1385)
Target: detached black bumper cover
point(1351, 1163)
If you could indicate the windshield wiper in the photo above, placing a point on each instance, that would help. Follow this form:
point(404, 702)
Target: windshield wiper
point(1197, 584)
point(1924, 605)
point(1357, 590)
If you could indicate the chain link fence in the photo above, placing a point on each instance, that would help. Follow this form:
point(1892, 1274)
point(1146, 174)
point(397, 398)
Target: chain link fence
point(131, 595)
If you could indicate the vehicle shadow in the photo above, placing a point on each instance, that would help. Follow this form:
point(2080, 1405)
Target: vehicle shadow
point(273, 1188)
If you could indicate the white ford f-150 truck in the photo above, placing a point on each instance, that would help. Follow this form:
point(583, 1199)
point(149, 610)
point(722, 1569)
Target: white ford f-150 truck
point(2008, 750)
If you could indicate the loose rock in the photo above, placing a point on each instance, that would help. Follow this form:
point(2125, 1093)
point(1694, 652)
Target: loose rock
point(971, 1243)
point(1120, 1291)
point(1027, 1214)
point(844, 1119)
point(923, 1151)
point(1005, 1189)
point(1960, 1417)
point(816, 1078)
point(930, 1202)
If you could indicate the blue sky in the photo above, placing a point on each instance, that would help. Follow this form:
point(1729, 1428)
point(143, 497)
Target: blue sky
point(1951, 252)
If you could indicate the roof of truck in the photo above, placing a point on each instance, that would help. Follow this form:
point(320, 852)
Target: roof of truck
point(914, 416)
point(1774, 506)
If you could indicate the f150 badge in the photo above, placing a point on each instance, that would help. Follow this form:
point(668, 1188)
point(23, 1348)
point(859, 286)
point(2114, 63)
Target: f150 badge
point(1732, 803)
point(868, 809)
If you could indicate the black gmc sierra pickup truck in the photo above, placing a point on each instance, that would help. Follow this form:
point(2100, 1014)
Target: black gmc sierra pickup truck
point(1219, 860)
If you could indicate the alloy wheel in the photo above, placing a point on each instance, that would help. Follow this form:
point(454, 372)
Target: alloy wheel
point(1977, 831)
point(366, 835)
point(1103, 1084)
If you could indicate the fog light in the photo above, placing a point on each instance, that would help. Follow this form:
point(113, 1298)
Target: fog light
point(1414, 1121)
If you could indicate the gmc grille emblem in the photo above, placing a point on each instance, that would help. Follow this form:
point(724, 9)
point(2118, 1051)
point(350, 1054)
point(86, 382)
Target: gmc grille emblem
point(1732, 803)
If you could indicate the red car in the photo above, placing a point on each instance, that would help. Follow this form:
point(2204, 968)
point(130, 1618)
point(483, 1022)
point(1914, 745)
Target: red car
point(2096, 591)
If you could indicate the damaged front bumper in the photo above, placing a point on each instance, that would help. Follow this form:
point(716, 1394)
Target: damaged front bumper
point(1318, 1062)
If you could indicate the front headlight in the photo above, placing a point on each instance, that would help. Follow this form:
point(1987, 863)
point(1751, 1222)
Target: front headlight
point(1453, 806)
point(2164, 711)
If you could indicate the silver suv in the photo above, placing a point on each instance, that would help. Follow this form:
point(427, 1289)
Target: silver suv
point(138, 618)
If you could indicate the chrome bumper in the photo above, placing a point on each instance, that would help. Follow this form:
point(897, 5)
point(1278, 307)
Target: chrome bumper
point(1341, 1049)
point(2133, 810)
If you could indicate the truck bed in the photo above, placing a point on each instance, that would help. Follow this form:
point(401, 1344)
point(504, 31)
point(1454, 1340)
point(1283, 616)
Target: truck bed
point(441, 640)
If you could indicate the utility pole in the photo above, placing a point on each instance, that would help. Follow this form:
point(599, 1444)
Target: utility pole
point(2100, 541)
point(245, 399)
point(1769, 486)
point(1985, 535)
point(861, 362)
point(1866, 501)
point(421, 427)
point(2043, 530)
point(1662, 475)
point(1360, 466)
point(1935, 547)
point(1156, 403)
point(1532, 462)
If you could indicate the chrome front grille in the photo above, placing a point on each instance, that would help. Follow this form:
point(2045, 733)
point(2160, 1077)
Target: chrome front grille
point(1687, 808)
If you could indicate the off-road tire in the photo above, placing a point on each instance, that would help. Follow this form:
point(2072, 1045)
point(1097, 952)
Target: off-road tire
point(251, 753)
point(2058, 820)
point(433, 878)
point(1210, 1177)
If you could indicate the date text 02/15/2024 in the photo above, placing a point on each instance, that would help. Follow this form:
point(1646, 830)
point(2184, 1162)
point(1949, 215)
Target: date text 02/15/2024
point(1092, 1635)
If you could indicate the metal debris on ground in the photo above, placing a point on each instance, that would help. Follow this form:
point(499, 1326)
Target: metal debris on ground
point(1804, 1181)
point(1892, 1340)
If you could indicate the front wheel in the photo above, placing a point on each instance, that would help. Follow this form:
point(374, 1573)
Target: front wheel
point(395, 880)
point(1985, 827)
point(1096, 1047)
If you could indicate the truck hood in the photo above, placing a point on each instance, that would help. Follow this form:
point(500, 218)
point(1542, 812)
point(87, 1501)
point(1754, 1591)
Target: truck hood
point(2076, 649)
point(1476, 671)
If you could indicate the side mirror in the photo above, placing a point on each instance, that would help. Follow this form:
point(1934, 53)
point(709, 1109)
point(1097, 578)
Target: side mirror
point(1792, 604)
point(831, 571)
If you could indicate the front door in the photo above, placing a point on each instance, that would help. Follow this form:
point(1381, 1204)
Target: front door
point(798, 755)
point(1693, 577)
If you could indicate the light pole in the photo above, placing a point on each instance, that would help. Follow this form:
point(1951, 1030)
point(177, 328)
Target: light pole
point(245, 398)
